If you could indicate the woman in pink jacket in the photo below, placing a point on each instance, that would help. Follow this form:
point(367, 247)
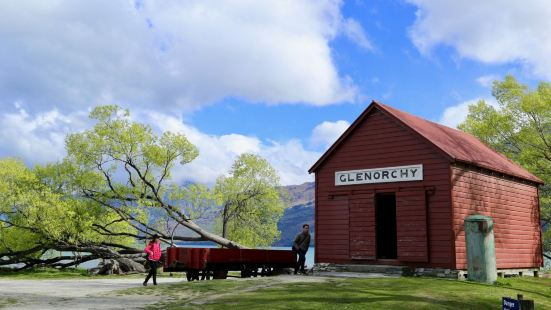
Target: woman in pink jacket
point(153, 250)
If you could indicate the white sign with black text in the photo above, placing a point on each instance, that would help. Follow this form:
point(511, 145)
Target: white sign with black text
point(380, 175)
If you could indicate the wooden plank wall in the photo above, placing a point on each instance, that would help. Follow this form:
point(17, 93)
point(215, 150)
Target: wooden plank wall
point(332, 244)
point(514, 209)
point(381, 141)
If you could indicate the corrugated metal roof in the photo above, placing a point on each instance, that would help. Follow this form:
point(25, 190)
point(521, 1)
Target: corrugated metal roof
point(458, 145)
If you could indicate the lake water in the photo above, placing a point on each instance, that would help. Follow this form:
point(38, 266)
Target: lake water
point(309, 254)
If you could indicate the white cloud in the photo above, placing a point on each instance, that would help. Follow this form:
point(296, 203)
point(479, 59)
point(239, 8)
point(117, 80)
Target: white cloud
point(457, 114)
point(217, 153)
point(487, 80)
point(60, 57)
point(37, 138)
point(354, 31)
point(172, 55)
point(240, 144)
point(40, 138)
point(491, 31)
point(327, 133)
point(291, 161)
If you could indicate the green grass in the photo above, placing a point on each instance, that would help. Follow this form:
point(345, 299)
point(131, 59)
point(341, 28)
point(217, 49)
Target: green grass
point(4, 302)
point(44, 273)
point(389, 293)
point(272, 293)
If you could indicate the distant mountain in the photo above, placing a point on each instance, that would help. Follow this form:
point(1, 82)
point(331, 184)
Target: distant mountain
point(300, 194)
point(290, 224)
point(300, 212)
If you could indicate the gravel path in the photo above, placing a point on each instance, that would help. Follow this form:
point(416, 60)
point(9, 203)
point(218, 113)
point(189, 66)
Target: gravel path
point(101, 293)
point(73, 294)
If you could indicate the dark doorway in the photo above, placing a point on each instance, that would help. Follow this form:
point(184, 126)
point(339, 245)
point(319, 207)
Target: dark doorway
point(385, 214)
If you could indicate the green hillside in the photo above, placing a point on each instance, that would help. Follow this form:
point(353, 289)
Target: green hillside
point(291, 223)
point(300, 212)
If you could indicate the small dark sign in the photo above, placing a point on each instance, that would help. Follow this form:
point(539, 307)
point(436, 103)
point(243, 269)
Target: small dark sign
point(510, 304)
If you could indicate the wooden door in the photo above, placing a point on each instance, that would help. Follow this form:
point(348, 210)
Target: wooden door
point(411, 225)
point(362, 227)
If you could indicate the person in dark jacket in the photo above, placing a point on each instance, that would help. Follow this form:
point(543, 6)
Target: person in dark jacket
point(300, 246)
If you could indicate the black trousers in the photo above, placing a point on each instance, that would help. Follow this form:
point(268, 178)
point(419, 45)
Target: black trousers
point(152, 271)
point(301, 260)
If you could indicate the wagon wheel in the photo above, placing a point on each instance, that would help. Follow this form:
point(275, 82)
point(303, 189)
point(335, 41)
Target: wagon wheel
point(206, 275)
point(245, 273)
point(220, 274)
point(192, 275)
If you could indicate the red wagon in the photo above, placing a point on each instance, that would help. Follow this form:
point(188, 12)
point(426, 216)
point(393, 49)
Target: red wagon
point(207, 263)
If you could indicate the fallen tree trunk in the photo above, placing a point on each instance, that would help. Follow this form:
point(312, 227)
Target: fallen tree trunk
point(118, 266)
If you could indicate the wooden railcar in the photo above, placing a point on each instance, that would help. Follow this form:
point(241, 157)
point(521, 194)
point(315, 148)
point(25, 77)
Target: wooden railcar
point(207, 263)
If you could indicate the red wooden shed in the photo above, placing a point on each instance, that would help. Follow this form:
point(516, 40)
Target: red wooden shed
point(394, 189)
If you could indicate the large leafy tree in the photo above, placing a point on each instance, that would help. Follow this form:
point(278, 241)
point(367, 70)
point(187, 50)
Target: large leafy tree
point(127, 169)
point(251, 204)
point(114, 189)
point(520, 128)
point(35, 219)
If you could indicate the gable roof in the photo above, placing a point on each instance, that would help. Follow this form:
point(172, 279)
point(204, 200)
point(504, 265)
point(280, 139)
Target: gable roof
point(455, 144)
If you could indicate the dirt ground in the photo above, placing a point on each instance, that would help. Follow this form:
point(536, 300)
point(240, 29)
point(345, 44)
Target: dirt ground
point(100, 293)
point(73, 294)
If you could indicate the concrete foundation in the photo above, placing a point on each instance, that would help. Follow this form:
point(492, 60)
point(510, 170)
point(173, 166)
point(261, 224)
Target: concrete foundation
point(504, 273)
point(327, 268)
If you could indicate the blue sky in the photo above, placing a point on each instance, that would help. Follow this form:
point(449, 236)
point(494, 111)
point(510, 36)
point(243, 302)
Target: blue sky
point(278, 78)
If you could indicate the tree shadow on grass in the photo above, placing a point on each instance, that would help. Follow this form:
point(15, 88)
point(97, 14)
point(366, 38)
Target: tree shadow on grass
point(290, 297)
point(388, 301)
point(505, 287)
point(406, 294)
point(409, 293)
